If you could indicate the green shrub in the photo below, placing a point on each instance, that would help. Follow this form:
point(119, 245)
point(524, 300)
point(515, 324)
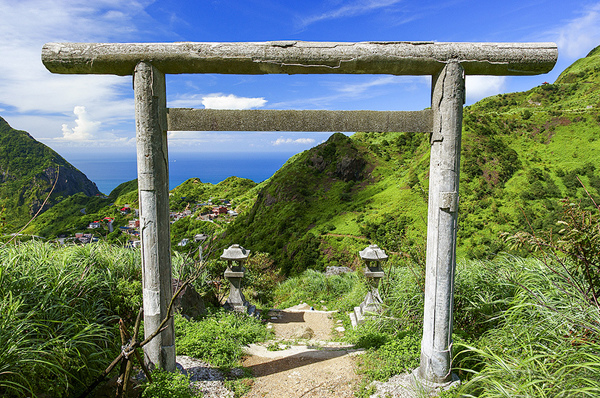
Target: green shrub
point(218, 338)
point(396, 356)
point(482, 292)
point(546, 346)
point(337, 292)
point(547, 342)
point(168, 385)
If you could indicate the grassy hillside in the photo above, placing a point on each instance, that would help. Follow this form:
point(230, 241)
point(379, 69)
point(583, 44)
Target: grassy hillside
point(77, 211)
point(28, 170)
point(327, 202)
point(521, 153)
point(195, 191)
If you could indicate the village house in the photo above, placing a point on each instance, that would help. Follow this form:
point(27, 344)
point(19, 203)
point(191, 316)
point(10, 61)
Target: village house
point(179, 215)
point(219, 210)
point(85, 238)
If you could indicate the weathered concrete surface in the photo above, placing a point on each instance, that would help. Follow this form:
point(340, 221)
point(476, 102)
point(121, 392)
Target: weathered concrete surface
point(447, 103)
point(185, 119)
point(153, 188)
point(296, 57)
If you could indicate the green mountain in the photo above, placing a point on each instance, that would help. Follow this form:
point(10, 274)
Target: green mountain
point(327, 202)
point(521, 154)
point(28, 171)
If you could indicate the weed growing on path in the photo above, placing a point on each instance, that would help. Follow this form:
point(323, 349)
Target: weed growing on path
point(218, 338)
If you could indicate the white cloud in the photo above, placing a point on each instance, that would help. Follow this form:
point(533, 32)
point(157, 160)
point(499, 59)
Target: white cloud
point(359, 88)
point(220, 101)
point(27, 88)
point(85, 129)
point(478, 87)
point(216, 101)
point(348, 10)
point(578, 36)
point(302, 141)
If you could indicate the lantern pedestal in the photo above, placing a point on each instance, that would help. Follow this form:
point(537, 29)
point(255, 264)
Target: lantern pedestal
point(372, 302)
point(236, 300)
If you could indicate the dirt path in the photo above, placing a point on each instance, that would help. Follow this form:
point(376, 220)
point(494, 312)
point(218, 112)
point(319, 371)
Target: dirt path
point(308, 364)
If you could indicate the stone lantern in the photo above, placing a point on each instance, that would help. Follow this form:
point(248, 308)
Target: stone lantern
point(372, 256)
point(235, 256)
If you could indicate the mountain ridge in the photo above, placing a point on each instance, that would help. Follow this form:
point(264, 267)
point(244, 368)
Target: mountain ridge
point(29, 170)
point(522, 154)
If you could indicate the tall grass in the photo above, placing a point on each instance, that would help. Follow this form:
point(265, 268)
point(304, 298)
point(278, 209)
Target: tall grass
point(547, 343)
point(58, 307)
point(336, 292)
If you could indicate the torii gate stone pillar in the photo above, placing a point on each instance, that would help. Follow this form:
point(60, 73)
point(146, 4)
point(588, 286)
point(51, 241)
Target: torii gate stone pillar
point(153, 190)
point(448, 95)
point(447, 63)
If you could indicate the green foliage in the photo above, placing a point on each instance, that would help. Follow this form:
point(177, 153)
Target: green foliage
point(28, 171)
point(218, 338)
point(125, 193)
point(337, 292)
point(395, 356)
point(168, 385)
point(546, 341)
point(240, 387)
point(58, 309)
point(297, 203)
point(261, 279)
point(580, 242)
point(482, 291)
point(187, 228)
point(546, 345)
point(389, 232)
point(194, 191)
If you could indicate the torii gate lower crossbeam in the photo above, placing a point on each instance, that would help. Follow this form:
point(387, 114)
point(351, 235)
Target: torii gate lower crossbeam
point(447, 63)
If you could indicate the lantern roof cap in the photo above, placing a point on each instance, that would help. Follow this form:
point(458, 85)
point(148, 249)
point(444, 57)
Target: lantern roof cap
point(373, 253)
point(235, 252)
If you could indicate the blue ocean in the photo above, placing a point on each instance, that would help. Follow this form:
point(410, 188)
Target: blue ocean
point(209, 167)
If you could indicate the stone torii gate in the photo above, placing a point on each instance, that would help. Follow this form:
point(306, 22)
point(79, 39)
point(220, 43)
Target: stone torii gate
point(447, 63)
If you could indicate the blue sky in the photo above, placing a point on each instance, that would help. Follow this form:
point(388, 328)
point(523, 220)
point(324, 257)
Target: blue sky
point(93, 116)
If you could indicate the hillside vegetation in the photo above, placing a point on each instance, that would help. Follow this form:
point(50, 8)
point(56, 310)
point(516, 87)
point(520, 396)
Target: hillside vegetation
point(521, 153)
point(28, 171)
point(74, 213)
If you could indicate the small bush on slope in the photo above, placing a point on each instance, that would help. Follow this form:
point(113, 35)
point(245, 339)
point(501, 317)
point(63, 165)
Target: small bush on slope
point(218, 338)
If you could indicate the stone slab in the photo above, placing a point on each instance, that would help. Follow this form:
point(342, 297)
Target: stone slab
point(298, 57)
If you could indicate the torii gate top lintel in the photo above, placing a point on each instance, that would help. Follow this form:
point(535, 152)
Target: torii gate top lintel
point(299, 57)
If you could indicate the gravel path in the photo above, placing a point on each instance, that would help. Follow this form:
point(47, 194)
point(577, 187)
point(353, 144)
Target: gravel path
point(308, 365)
